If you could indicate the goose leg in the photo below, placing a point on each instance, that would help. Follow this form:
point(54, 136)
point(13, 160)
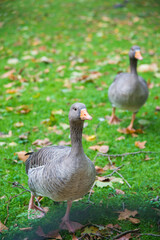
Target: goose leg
point(33, 210)
point(130, 127)
point(114, 119)
point(66, 223)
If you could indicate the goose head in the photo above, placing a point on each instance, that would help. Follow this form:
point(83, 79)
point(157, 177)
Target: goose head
point(78, 113)
point(135, 53)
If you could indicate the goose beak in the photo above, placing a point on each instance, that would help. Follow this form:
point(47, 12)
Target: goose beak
point(138, 55)
point(84, 115)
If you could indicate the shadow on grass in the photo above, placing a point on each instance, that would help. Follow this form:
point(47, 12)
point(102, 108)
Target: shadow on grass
point(101, 214)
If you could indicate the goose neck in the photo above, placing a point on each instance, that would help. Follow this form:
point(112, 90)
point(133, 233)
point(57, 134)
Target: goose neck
point(76, 136)
point(133, 66)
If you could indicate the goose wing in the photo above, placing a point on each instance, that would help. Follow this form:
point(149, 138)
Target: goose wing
point(45, 155)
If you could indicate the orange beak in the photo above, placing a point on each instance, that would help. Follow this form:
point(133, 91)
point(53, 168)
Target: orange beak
point(138, 55)
point(84, 115)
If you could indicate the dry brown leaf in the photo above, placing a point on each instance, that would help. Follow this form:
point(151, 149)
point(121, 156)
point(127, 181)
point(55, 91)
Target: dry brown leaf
point(40, 142)
point(63, 143)
point(2, 135)
point(120, 138)
point(118, 191)
point(94, 148)
point(103, 149)
point(60, 68)
point(26, 229)
point(55, 130)
point(2, 227)
point(134, 220)
point(99, 169)
point(12, 91)
point(140, 145)
point(23, 109)
point(153, 67)
point(21, 155)
point(130, 131)
point(126, 214)
point(9, 85)
point(158, 108)
point(8, 74)
point(147, 158)
point(64, 126)
point(125, 237)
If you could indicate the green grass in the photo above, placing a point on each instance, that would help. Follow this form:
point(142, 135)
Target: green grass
point(74, 34)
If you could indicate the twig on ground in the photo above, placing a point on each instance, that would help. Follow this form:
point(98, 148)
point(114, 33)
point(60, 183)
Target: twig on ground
point(91, 191)
point(149, 234)
point(126, 232)
point(119, 173)
point(123, 154)
point(115, 170)
point(14, 184)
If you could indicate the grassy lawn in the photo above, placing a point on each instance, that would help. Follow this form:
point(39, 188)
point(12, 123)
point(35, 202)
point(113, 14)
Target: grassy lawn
point(55, 53)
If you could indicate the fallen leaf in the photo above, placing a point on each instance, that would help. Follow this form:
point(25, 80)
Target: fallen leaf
point(120, 138)
point(153, 67)
point(140, 145)
point(52, 234)
point(26, 229)
point(102, 149)
point(46, 60)
point(21, 155)
point(59, 112)
point(107, 181)
point(64, 126)
point(9, 85)
point(55, 130)
point(60, 68)
point(40, 142)
point(63, 143)
point(147, 158)
point(99, 169)
point(130, 131)
point(12, 91)
point(2, 135)
point(18, 124)
point(158, 108)
point(125, 237)
point(134, 220)
point(13, 61)
point(2, 143)
point(12, 144)
point(24, 136)
point(23, 109)
point(126, 214)
point(2, 227)
point(89, 138)
point(118, 191)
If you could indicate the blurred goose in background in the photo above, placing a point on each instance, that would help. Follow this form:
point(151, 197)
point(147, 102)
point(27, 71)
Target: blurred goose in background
point(128, 91)
point(60, 172)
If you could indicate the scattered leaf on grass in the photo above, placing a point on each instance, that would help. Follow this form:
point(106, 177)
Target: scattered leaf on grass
point(107, 181)
point(26, 229)
point(63, 143)
point(53, 234)
point(55, 130)
point(23, 109)
point(119, 191)
point(13, 61)
point(12, 144)
point(21, 155)
point(19, 124)
point(40, 142)
point(102, 149)
point(153, 67)
point(64, 126)
point(133, 132)
point(147, 158)
point(2, 227)
point(2, 135)
point(46, 60)
point(125, 237)
point(140, 145)
point(2, 143)
point(134, 220)
point(120, 138)
point(158, 108)
point(89, 138)
point(126, 214)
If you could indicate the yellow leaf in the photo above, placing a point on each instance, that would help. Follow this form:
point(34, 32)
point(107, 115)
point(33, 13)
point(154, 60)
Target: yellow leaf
point(19, 124)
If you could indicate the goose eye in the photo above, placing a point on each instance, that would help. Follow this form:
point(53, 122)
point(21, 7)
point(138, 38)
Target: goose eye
point(75, 109)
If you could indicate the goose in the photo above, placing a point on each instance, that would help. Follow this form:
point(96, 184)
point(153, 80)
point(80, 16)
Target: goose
point(62, 173)
point(128, 91)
